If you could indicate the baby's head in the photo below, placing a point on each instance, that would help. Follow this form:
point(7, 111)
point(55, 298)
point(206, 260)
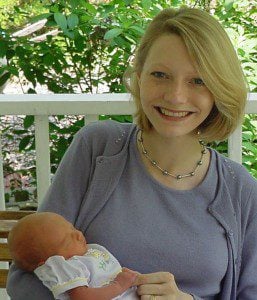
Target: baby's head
point(38, 236)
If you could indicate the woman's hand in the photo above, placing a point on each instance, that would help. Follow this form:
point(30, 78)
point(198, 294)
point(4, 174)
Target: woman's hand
point(159, 286)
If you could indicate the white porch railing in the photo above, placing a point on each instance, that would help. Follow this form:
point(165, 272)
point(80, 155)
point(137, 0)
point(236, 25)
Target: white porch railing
point(41, 106)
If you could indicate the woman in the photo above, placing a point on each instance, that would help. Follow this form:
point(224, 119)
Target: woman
point(181, 214)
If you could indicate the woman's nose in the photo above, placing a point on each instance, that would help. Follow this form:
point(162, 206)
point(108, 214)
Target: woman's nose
point(176, 92)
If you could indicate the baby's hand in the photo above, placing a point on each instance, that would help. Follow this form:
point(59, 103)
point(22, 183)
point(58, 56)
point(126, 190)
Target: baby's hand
point(125, 278)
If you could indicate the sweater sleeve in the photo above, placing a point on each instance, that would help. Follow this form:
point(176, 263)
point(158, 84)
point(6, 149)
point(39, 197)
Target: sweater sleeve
point(63, 197)
point(247, 283)
point(196, 297)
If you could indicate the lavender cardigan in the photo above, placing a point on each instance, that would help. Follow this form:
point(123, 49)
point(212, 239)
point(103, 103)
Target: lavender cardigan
point(91, 169)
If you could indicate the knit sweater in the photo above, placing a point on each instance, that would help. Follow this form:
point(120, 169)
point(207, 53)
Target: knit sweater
point(89, 173)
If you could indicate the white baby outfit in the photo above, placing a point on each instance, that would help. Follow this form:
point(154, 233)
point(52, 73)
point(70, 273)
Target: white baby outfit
point(97, 268)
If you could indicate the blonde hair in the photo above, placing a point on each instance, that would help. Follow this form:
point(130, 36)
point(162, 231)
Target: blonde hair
point(215, 60)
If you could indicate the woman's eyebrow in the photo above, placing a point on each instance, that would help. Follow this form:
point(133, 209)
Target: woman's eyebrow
point(160, 65)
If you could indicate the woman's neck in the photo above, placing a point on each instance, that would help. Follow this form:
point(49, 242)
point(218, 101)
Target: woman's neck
point(178, 155)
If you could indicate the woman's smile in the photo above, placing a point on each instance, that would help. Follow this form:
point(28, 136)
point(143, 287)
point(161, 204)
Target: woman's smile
point(173, 115)
point(173, 96)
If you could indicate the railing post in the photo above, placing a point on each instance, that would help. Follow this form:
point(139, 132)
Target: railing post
point(42, 156)
point(90, 118)
point(2, 198)
point(235, 145)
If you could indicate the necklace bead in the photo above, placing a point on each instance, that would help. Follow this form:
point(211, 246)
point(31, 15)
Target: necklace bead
point(165, 172)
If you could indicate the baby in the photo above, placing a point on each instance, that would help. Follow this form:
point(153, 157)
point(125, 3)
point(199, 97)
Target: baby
point(51, 247)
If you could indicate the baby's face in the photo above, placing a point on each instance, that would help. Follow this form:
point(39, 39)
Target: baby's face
point(67, 239)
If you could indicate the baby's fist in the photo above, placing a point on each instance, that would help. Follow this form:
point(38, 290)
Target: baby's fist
point(126, 278)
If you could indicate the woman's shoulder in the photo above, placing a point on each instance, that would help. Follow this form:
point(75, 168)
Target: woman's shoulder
point(106, 129)
point(235, 172)
point(106, 137)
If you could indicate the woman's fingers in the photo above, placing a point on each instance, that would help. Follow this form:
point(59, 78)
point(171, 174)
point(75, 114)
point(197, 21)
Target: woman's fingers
point(156, 289)
point(149, 297)
point(158, 277)
point(160, 285)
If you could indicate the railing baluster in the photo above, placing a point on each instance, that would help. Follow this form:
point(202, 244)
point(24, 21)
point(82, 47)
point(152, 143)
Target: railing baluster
point(235, 145)
point(90, 118)
point(42, 155)
point(2, 198)
point(91, 106)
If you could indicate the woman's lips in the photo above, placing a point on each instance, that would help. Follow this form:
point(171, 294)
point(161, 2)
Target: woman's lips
point(177, 115)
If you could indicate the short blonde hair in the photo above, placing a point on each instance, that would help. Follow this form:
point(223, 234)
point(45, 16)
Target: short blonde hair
point(215, 60)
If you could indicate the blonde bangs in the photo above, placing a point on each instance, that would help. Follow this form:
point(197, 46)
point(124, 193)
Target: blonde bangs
point(215, 60)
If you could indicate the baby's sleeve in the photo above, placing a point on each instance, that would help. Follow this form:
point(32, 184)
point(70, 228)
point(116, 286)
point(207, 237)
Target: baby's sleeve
point(60, 275)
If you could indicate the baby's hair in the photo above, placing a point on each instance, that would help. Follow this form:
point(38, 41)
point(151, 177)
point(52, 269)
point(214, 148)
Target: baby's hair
point(24, 243)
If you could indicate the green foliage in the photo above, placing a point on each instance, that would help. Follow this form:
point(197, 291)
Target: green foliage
point(15, 13)
point(249, 144)
point(94, 46)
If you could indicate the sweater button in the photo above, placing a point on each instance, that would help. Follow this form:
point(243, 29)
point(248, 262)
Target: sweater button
point(210, 210)
point(230, 233)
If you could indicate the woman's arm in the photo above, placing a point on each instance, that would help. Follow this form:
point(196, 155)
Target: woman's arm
point(247, 262)
point(63, 197)
point(121, 283)
point(247, 284)
point(23, 285)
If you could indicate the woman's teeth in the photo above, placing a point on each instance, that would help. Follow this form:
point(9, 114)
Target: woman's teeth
point(173, 114)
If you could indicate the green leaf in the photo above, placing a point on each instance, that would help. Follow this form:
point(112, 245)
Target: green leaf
point(2, 70)
point(228, 4)
point(61, 20)
point(40, 17)
point(138, 29)
point(241, 52)
point(30, 76)
point(112, 33)
point(250, 147)
point(176, 2)
point(54, 8)
point(72, 21)
point(70, 34)
point(146, 4)
point(128, 2)
point(14, 70)
point(10, 54)
point(90, 8)
point(24, 143)
point(4, 78)
point(20, 131)
point(20, 52)
point(48, 59)
point(62, 146)
point(28, 121)
point(3, 48)
point(74, 3)
point(31, 91)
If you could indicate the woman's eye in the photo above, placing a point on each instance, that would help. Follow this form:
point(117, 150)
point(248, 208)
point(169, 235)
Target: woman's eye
point(198, 81)
point(159, 74)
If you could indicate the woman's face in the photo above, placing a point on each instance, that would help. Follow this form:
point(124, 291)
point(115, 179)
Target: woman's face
point(173, 96)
